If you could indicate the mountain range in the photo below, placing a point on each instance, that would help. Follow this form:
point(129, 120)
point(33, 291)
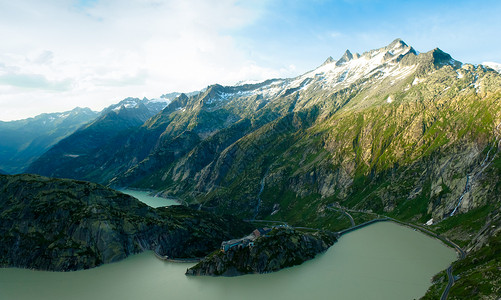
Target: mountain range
point(319, 135)
point(23, 141)
point(391, 131)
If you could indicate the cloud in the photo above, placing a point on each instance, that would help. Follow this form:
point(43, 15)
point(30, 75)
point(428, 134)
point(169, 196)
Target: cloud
point(119, 79)
point(34, 81)
point(45, 57)
point(334, 34)
point(106, 49)
point(68, 53)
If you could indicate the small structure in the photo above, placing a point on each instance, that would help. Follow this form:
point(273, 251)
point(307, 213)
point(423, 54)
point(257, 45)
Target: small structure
point(247, 241)
point(261, 231)
point(227, 245)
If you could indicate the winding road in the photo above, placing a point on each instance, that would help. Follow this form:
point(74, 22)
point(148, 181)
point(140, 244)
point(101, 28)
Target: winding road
point(449, 285)
point(462, 255)
point(342, 210)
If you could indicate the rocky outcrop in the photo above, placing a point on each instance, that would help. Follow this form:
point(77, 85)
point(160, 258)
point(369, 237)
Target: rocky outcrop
point(281, 248)
point(64, 225)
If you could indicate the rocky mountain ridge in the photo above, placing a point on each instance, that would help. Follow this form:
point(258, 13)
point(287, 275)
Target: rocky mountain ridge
point(113, 124)
point(197, 144)
point(66, 225)
point(23, 141)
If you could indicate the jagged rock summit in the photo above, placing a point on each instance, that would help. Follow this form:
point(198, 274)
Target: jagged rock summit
point(347, 56)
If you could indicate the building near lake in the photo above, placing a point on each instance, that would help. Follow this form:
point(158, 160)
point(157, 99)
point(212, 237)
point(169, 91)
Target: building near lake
point(247, 241)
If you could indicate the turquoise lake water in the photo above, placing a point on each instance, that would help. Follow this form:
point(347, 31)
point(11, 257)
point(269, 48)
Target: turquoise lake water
point(381, 261)
point(152, 201)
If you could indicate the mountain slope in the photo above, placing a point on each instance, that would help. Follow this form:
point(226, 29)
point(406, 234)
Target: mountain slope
point(23, 141)
point(78, 155)
point(356, 131)
point(62, 225)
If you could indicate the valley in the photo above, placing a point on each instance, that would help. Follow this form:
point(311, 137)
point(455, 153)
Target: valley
point(391, 132)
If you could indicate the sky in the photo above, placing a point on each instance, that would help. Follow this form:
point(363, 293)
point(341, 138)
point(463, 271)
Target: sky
point(59, 54)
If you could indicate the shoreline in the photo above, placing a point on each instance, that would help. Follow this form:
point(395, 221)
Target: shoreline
point(177, 260)
point(460, 252)
point(151, 193)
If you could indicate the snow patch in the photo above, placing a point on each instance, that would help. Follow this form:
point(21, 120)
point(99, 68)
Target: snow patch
point(368, 64)
point(417, 81)
point(161, 100)
point(477, 87)
point(244, 82)
point(460, 75)
point(389, 99)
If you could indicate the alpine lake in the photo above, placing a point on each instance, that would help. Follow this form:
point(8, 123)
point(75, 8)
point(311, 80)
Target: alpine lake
point(381, 261)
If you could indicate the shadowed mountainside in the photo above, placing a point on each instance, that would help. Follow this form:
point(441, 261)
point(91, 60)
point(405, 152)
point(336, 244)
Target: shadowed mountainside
point(64, 225)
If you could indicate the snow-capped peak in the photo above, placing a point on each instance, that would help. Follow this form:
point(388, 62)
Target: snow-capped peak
point(161, 100)
point(397, 44)
point(250, 81)
point(329, 60)
point(126, 103)
point(154, 105)
point(347, 56)
point(351, 67)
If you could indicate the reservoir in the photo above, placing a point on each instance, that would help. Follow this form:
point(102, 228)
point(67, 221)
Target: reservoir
point(150, 200)
point(381, 261)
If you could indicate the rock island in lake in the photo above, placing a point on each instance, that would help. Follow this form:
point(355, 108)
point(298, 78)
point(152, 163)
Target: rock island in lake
point(263, 251)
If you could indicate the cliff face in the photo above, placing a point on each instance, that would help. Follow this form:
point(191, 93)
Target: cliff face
point(63, 225)
point(279, 249)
